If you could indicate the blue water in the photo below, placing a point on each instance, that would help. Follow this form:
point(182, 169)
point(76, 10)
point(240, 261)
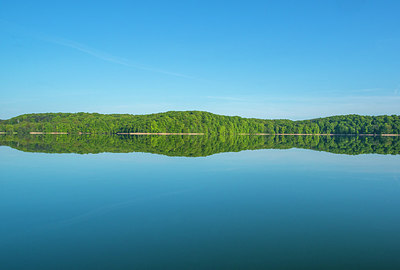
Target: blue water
point(262, 209)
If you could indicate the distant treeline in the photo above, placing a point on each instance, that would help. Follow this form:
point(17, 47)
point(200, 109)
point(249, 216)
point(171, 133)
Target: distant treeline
point(197, 146)
point(196, 122)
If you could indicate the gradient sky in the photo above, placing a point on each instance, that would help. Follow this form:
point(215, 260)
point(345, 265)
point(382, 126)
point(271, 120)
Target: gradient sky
point(267, 59)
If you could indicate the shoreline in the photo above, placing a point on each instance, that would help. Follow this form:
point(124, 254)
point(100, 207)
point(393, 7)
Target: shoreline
point(202, 134)
point(158, 133)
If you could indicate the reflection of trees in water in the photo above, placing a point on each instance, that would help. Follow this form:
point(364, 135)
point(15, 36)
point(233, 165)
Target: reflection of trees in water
point(195, 146)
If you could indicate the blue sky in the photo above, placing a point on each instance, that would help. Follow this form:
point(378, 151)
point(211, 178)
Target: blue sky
point(267, 59)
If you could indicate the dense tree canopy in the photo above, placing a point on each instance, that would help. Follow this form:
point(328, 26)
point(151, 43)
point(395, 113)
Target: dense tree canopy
point(196, 121)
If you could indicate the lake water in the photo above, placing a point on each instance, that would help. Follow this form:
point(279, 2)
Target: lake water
point(178, 203)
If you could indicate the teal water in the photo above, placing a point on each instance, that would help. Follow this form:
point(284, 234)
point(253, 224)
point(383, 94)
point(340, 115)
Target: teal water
point(255, 209)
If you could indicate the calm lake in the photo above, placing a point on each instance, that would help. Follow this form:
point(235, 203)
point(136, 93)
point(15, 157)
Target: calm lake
point(195, 202)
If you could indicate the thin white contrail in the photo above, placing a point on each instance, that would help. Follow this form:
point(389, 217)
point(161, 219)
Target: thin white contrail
point(107, 57)
point(112, 207)
point(84, 217)
point(18, 29)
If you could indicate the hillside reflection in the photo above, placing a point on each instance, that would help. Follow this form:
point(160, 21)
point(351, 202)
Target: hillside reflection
point(197, 146)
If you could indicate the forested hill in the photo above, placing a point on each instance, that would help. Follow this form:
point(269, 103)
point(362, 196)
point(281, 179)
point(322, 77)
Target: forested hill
point(196, 122)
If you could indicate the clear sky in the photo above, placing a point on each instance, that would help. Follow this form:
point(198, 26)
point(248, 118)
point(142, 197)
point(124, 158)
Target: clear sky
point(268, 59)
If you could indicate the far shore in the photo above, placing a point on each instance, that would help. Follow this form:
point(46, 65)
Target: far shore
point(162, 133)
point(201, 134)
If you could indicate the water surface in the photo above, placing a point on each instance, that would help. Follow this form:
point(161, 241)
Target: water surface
point(256, 209)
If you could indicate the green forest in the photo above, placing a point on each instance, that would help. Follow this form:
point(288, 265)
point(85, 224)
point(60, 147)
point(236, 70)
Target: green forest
point(198, 146)
point(196, 122)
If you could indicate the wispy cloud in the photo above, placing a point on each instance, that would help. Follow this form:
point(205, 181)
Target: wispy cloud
point(297, 107)
point(227, 98)
point(355, 97)
point(397, 90)
point(80, 47)
point(108, 57)
point(349, 91)
point(18, 29)
point(369, 90)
